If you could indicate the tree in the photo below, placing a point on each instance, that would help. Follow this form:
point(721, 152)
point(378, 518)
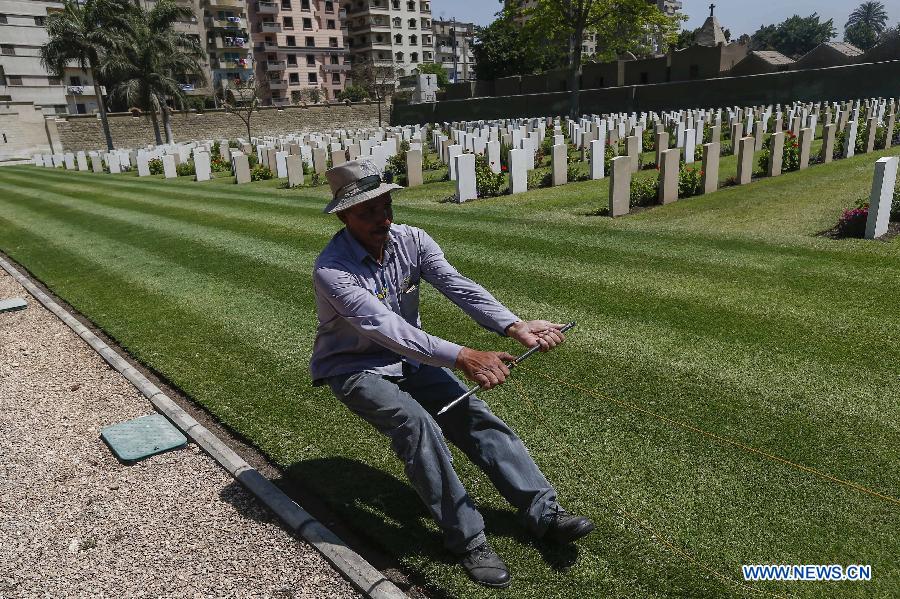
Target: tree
point(861, 36)
point(794, 36)
point(242, 98)
point(619, 26)
point(376, 80)
point(870, 14)
point(506, 49)
point(353, 93)
point(431, 68)
point(686, 38)
point(149, 67)
point(83, 32)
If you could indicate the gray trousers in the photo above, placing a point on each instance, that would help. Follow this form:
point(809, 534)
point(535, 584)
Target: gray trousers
point(404, 408)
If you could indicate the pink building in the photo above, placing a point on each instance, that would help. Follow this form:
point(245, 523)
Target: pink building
point(299, 49)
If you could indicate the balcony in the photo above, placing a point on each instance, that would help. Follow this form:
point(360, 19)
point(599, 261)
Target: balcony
point(336, 68)
point(276, 65)
point(277, 84)
point(379, 5)
point(267, 46)
point(270, 27)
point(267, 8)
point(229, 42)
point(228, 23)
point(228, 3)
point(243, 63)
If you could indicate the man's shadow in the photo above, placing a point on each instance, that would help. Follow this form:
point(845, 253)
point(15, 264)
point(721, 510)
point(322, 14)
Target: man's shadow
point(388, 512)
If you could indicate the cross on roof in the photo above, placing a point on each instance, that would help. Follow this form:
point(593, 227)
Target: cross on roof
point(712, 7)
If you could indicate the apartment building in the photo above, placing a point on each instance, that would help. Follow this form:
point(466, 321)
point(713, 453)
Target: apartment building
point(391, 33)
point(453, 48)
point(22, 77)
point(299, 46)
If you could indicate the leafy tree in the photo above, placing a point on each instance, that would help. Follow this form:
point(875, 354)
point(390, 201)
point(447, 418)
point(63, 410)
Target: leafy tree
point(619, 26)
point(149, 68)
point(431, 68)
point(861, 36)
point(83, 32)
point(377, 81)
point(870, 14)
point(686, 38)
point(505, 49)
point(794, 36)
point(353, 93)
point(242, 98)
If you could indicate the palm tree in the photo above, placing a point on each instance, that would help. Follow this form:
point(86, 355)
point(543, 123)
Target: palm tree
point(871, 15)
point(148, 67)
point(83, 32)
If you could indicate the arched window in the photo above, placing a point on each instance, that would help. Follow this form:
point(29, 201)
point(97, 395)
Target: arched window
point(398, 39)
point(399, 56)
point(414, 57)
point(397, 22)
point(412, 23)
point(414, 40)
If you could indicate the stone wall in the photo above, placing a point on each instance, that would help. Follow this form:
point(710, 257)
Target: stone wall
point(24, 131)
point(84, 132)
point(832, 84)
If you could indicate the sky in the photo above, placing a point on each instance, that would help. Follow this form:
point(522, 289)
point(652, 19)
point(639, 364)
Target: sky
point(740, 16)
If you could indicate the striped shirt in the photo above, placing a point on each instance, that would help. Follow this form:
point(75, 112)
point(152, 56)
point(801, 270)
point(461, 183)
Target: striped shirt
point(369, 312)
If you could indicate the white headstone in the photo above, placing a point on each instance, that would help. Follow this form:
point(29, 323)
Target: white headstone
point(598, 155)
point(81, 159)
point(518, 171)
point(493, 155)
point(281, 165)
point(453, 151)
point(465, 177)
point(169, 166)
point(115, 166)
point(201, 166)
point(143, 165)
point(882, 196)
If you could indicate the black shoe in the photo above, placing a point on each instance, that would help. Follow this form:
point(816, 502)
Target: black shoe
point(566, 528)
point(485, 567)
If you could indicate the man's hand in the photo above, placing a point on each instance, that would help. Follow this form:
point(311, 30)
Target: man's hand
point(486, 368)
point(536, 332)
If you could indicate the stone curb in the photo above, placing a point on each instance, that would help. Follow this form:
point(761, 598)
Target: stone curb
point(361, 574)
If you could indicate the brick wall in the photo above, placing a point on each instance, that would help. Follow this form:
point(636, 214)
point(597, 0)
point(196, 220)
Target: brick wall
point(22, 131)
point(84, 132)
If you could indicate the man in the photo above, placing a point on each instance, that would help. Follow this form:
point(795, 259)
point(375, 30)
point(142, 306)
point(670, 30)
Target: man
point(371, 351)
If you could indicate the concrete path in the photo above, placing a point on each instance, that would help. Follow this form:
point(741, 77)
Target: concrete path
point(76, 522)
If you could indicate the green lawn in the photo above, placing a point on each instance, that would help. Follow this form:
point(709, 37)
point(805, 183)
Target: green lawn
point(721, 315)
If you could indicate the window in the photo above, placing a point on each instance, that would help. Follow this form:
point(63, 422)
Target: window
point(334, 60)
point(398, 39)
point(3, 20)
point(412, 24)
point(304, 4)
point(286, 4)
point(13, 80)
point(413, 40)
point(312, 78)
point(291, 41)
point(396, 4)
point(329, 6)
point(307, 24)
point(7, 50)
point(40, 21)
point(414, 57)
point(310, 60)
point(411, 5)
point(428, 57)
point(75, 80)
point(330, 24)
point(332, 42)
point(80, 109)
point(288, 23)
point(292, 60)
point(336, 78)
point(294, 78)
point(397, 22)
point(399, 56)
point(310, 42)
point(54, 81)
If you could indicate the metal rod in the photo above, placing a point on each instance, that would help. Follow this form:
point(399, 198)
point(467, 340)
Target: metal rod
point(512, 364)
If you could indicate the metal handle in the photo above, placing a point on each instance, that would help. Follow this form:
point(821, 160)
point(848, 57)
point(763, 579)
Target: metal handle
point(512, 364)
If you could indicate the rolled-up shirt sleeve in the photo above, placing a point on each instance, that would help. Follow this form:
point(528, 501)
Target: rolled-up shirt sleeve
point(471, 297)
point(375, 321)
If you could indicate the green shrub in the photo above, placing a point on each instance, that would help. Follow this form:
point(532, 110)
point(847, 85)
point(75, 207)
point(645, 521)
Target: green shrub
point(218, 165)
point(649, 139)
point(155, 166)
point(644, 191)
point(690, 182)
point(487, 183)
point(791, 157)
point(573, 173)
point(252, 161)
point(186, 169)
point(895, 206)
point(540, 178)
point(504, 155)
point(261, 173)
point(852, 222)
point(610, 153)
point(215, 151)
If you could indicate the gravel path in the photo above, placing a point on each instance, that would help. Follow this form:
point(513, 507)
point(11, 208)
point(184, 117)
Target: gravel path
point(76, 522)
